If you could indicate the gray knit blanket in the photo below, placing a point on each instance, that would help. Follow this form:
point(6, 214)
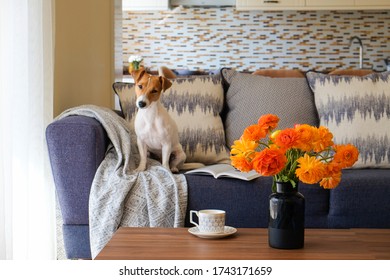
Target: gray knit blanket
point(122, 197)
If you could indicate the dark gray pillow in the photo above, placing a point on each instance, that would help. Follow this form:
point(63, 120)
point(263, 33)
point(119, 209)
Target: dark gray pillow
point(250, 96)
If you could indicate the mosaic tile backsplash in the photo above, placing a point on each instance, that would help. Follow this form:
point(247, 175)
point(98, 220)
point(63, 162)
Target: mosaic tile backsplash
point(212, 38)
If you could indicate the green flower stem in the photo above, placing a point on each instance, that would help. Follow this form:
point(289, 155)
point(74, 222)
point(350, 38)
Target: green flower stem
point(288, 173)
point(136, 65)
point(264, 144)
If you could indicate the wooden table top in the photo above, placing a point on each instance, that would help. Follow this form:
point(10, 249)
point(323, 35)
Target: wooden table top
point(245, 244)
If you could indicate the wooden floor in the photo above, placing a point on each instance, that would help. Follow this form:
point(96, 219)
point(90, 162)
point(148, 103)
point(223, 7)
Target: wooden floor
point(246, 244)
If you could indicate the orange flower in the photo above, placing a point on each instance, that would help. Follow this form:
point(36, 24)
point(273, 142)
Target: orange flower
point(268, 122)
point(304, 152)
point(324, 140)
point(287, 138)
point(346, 155)
point(243, 147)
point(254, 133)
point(273, 135)
point(310, 170)
point(332, 177)
point(331, 182)
point(269, 162)
point(242, 153)
point(240, 162)
point(306, 136)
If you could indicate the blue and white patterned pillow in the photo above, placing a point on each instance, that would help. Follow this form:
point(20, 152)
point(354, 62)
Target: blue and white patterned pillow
point(356, 110)
point(195, 103)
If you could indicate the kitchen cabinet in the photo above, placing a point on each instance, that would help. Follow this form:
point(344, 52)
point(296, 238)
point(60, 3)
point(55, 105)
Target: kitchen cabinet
point(329, 3)
point(312, 4)
point(269, 4)
point(144, 5)
point(372, 3)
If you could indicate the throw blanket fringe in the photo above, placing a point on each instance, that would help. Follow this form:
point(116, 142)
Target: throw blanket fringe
point(122, 197)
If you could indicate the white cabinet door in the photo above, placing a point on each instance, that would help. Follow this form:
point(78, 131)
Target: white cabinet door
point(372, 2)
point(146, 5)
point(311, 4)
point(268, 4)
point(329, 3)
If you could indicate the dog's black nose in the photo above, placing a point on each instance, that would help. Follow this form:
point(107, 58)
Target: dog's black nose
point(141, 104)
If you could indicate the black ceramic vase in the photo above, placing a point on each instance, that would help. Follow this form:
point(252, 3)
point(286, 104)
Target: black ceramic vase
point(286, 229)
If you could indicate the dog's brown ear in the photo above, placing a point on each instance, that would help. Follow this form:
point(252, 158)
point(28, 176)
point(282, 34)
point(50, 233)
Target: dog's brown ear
point(137, 74)
point(166, 84)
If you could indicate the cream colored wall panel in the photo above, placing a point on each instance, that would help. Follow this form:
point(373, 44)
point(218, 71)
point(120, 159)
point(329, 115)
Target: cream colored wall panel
point(84, 53)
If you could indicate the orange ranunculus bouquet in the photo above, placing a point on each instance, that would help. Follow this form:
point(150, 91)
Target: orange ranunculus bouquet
point(302, 153)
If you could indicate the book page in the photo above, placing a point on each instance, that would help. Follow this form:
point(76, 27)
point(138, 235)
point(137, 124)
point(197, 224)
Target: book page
point(247, 176)
point(224, 170)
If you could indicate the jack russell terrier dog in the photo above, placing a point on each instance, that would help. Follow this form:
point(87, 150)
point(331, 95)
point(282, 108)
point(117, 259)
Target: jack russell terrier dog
point(155, 129)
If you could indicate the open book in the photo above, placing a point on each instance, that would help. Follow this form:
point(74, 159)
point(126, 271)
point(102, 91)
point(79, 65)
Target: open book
point(224, 170)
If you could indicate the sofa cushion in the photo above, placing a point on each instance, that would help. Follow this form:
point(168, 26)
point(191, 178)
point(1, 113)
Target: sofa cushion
point(127, 97)
point(247, 202)
point(357, 110)
point(250, 96)
point(358, 198)
point(195, 103)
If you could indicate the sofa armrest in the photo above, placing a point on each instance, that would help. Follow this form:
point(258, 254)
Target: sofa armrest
point(76, 146)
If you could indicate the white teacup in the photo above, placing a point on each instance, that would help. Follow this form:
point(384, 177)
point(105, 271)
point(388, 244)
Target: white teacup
point(210, 220)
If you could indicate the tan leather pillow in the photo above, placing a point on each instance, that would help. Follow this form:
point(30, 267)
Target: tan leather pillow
point(279, 73)
point(351, 72)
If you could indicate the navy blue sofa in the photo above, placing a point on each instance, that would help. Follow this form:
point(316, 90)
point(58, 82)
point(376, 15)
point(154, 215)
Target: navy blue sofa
point(77, 145)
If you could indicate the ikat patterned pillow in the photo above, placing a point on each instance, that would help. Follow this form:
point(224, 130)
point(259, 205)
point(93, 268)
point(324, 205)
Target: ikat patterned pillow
point(356, 110)
point(195, 103)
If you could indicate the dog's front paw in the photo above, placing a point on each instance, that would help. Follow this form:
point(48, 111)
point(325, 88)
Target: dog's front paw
point(174, 170)
point(140, 168)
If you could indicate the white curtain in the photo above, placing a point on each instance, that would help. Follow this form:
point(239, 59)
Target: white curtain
point(27, 200)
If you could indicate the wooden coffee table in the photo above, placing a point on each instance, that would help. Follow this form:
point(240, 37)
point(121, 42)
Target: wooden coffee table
point(245, 244)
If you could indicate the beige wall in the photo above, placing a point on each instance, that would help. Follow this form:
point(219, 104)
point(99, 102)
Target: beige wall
point(84, 53)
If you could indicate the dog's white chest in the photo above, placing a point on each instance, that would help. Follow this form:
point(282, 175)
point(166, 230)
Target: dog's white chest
point(153, 129)
point(148, 134)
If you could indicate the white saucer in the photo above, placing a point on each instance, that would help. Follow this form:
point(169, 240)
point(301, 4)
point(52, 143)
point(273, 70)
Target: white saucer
point(228, 231)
